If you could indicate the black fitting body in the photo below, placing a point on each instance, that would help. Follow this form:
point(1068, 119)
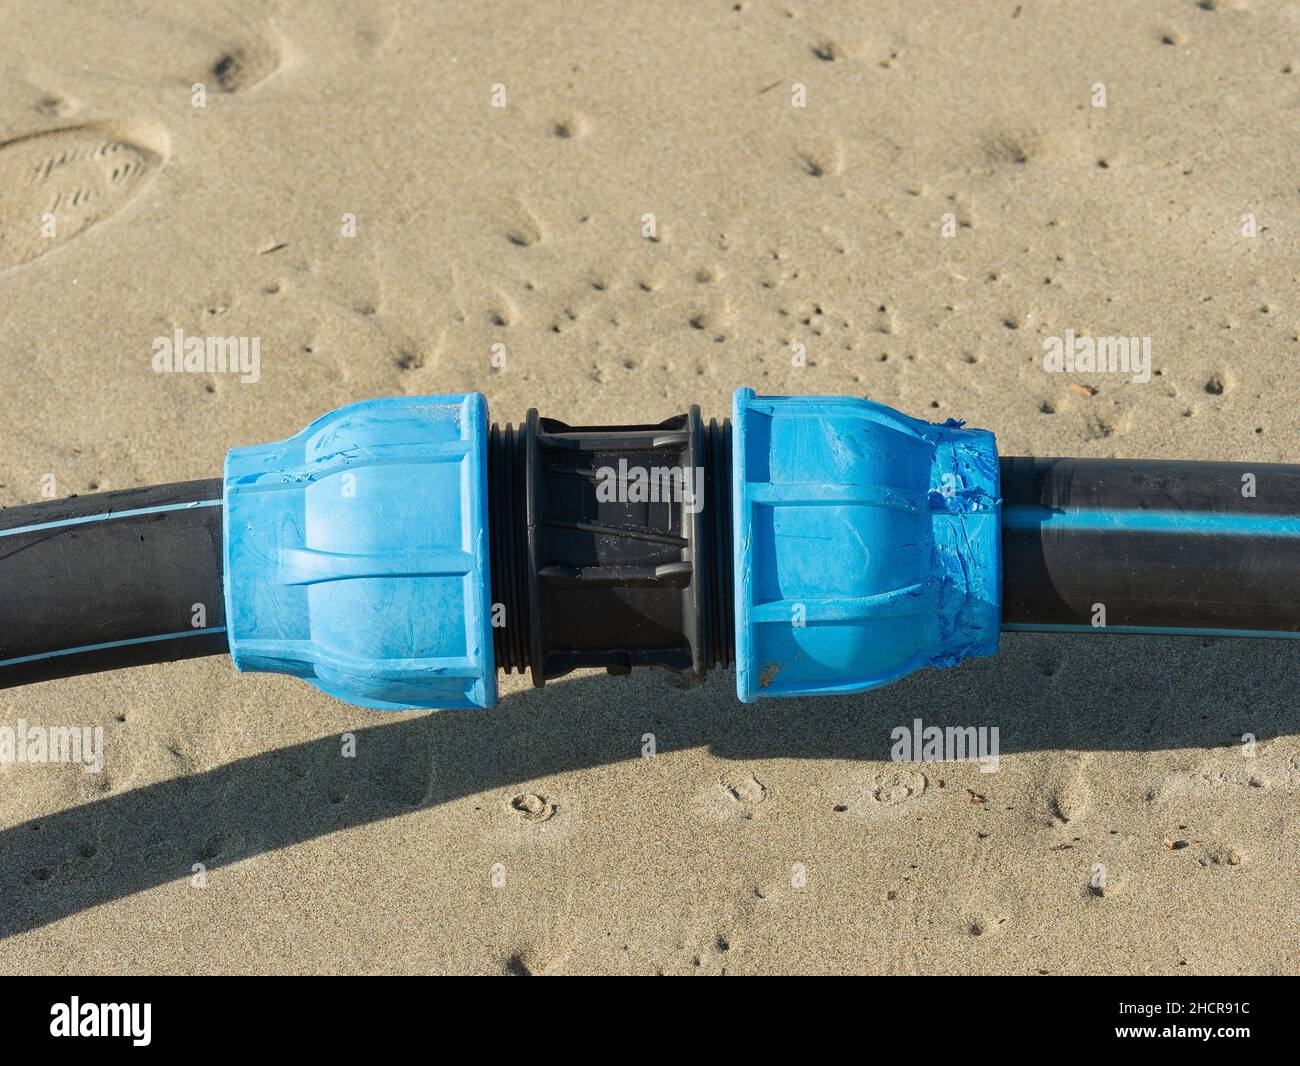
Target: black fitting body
point(611, 546)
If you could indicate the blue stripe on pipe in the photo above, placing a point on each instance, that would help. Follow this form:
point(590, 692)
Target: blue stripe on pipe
point(112, 644)
point(106, 516)
point(1021, 516)
point(1161, 631)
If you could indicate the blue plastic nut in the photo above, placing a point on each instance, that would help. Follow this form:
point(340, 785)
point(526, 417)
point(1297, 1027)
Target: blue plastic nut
point(357, 554)
point(866, 544)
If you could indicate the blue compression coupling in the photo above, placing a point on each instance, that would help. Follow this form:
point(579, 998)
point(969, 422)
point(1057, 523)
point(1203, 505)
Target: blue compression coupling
point(866, 544)
point(356, 554)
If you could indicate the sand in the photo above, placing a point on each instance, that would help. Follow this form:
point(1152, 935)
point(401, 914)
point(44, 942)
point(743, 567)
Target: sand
point(535, 838)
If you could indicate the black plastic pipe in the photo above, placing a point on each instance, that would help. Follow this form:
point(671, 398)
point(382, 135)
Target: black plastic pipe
point(111, 580)
point(133, 577)
point(1124, 545)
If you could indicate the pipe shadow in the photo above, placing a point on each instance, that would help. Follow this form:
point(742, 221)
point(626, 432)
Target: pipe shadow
point(1043, 692)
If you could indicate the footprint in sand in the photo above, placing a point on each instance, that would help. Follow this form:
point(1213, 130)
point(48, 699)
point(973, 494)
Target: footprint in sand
point(741, 793)
point(1069, 796)
point(894, 786)
point(56, 185)
point(240, 68)
point(744, 788)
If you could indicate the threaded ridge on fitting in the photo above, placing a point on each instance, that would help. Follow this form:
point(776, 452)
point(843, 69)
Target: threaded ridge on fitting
point(508, 536)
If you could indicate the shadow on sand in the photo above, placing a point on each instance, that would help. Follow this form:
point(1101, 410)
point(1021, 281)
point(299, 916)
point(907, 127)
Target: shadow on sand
point(1043, 692)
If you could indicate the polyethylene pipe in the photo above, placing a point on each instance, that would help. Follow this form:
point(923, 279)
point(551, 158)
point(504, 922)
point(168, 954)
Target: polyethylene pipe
point(397, 553)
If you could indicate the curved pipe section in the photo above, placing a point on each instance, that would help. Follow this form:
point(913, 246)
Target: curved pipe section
point(110, 580)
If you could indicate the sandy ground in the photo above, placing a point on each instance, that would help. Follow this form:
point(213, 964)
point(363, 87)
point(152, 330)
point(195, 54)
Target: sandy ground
point(759, 839)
